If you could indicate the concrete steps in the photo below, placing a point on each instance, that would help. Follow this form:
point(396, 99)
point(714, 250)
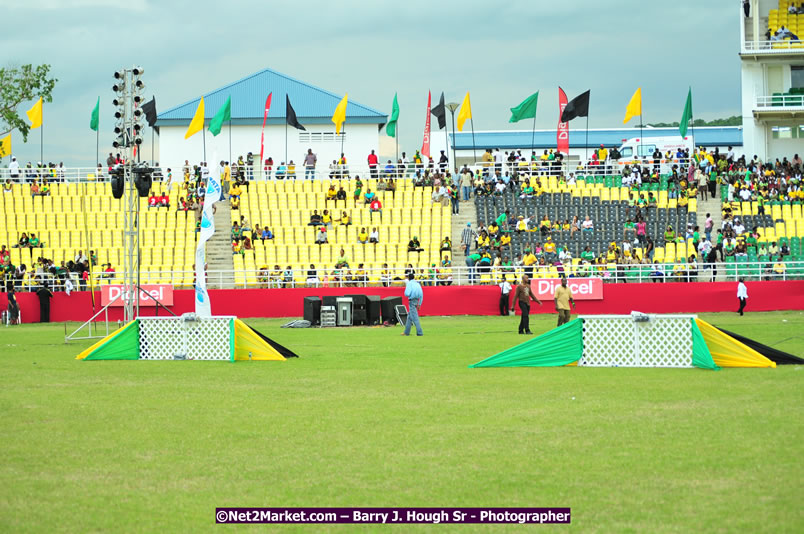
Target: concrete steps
point(467, 214)
point(219, 249)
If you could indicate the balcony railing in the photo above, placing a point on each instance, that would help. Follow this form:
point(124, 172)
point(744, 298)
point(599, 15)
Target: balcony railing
point(779, 102)
point(773, 47)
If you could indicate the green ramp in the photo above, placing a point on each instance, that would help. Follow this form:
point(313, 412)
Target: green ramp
point(123, 344)
point(701, 356)
point(559, 346)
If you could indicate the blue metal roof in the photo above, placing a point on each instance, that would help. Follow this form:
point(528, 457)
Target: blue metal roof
point(520, 139)
point(312, 105)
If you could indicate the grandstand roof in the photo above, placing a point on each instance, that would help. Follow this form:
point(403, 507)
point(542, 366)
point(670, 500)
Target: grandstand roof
point(507, 139)
point(312, 105)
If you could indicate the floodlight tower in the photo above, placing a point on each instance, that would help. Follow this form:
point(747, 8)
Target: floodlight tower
point(129, 179)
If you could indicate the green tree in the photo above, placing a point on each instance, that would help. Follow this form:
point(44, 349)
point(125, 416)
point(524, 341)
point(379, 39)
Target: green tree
point(18, 85)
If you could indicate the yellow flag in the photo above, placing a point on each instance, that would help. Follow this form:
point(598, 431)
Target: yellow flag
point(35, 114)
point(197, 124)
point(634, 106)
point(5, 146)
point(340, 114)
point(465, 112)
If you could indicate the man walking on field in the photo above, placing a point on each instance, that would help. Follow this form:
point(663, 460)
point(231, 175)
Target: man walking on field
point(742, 295)
point(563, 299)
point(523, 295)
point(415, 295)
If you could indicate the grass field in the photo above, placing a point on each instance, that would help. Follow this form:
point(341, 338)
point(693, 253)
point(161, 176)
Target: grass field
point(368, 418)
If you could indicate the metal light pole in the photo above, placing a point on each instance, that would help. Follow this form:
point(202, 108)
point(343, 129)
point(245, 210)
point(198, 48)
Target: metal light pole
point(452, 106)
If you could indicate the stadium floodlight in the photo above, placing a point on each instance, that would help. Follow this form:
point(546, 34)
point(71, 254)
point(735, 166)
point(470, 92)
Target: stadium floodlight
point(120, 74)
point(139, 85)
point(119, 87)
point(138, 71)
point(120, 141)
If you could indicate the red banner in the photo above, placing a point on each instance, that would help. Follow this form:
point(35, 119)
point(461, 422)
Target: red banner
point(262, 135)
point(562, 133)
point(161, 292)
point(582, 288)
point(426, 141)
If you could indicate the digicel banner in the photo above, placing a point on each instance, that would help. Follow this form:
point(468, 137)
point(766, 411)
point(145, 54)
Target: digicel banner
point(582, 288)
point(161, 292)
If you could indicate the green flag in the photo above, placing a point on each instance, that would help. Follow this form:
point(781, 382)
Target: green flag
point(93, 121)
point(685, 118)
point(390, 129)
point(224, 114)
point(525, 110)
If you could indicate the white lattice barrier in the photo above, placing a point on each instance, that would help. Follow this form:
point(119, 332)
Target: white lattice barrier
point(169, 338)
point(637, 340)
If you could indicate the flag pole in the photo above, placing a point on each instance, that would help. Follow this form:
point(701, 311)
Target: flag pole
point(42, 137)
point(586, 144)
point(533, 135)
point(286, 142)
point(474, 153)
point(343, 133)
point(204, 137)
point(230, 139)
point(153, 158)
point(692, 119)
point(97, 146)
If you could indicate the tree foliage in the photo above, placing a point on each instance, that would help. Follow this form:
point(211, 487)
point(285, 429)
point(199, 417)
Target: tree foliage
point(18, 85)
point(734, 120)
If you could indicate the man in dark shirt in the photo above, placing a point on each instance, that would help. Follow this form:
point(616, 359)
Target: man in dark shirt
point(523, 295)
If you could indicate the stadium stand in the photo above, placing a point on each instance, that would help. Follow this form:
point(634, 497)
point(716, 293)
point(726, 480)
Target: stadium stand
point(784, 24)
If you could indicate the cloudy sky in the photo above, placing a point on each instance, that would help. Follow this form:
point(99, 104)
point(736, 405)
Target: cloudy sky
point(501, 52)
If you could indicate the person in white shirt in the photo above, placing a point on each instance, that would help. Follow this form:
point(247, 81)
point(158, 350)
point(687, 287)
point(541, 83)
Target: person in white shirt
point(505, 290)
point(14, 169)
point(374, 236)
point(742, 295)
point(739, 228)
point(745, 194)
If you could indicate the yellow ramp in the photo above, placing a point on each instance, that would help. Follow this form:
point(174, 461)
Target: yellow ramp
point(251, 346)
point(728, 352)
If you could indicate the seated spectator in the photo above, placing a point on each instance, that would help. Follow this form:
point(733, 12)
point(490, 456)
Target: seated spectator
point(247, 243)
point(45, 189)
point(182, 205)
point(8, 187)
point(108, 272)
point(375, 207)
point(446, 245)
point(341, 195)
point(276, 276)
point(312, 276)
point(385, 276)
point(391, 186)
point(332, 194)
point(164, 201)
point(321, 235)
point(264, 277)
point(266, 234)
point(23, 242)
point(33, 242)
point(326, 219)
point(669, 235)
point(414, 245)
point(779, 268)
point(587, 225)
point(235, 203)
point(362, 236)
point(345, 220)
point(153, 201)
point(374, 236)
point(315, 219)
point(237, 232)
point(291, 170)
point(360, 276)
point(343, 260)
point(369, 196)
point(550, 251)
point(773, 249)
point(34, 189)
point(784, 250)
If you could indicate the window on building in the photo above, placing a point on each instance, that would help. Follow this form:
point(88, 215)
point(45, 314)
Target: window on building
point(788, 132)
point(320, 137)
point(797, 76)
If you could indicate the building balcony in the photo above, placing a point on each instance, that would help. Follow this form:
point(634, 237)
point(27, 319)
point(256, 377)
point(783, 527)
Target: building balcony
point(779, 49)
point(780, 105)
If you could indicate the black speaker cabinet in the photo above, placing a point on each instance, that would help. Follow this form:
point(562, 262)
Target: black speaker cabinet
point(373, 313)
point(359, 317)
point(329, 300)
point(387, 306)
point(312, 310)
point(358, 301)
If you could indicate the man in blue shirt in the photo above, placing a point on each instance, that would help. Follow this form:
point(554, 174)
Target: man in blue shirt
point(415, 295)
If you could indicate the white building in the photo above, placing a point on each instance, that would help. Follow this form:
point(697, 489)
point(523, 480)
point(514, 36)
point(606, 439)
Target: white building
point(313, 107)
point(772, 79)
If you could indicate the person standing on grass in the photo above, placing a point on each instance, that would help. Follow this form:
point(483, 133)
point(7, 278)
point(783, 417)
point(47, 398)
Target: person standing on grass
point(505, 290)
point(415, 295)
point(742, 295)
point(523, 294)
point(563, 299)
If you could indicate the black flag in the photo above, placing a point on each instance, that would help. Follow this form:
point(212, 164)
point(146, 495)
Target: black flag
point(290, 116)
point(440, 112)
point(149, 108)
point(577, 107)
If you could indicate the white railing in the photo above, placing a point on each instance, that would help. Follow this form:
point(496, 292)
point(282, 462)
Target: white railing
point(773, 47)
point(775, 102)
point(455, 275)
point(409, 172)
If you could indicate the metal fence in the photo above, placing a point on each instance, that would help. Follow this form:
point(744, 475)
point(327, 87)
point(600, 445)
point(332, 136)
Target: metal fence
point(267, 277)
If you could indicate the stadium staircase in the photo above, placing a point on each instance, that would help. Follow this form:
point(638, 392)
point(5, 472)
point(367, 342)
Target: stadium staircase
point(468, 214)
point(219, 249)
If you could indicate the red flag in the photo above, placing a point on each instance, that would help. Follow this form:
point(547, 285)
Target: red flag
point(426, 141)
point(262, 135)
point(562, 134)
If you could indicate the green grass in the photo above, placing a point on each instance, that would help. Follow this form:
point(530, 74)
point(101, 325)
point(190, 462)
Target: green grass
point(368, 418)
